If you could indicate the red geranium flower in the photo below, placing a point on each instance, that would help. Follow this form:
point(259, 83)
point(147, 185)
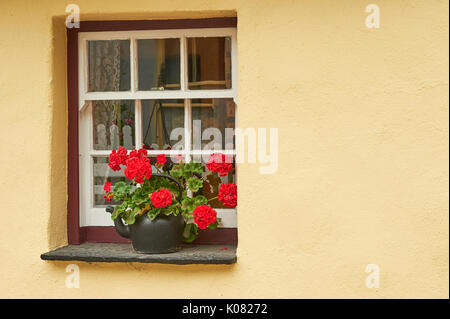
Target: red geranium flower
point(138, 153)
point(122, 154)
point(108, 197)
point(138, 166)
point(204, 216)
point(219, 163)
point(139, 169)
point(117, 158)
point(228, 194)
point(161, 159)
point(107, 187)
point(162, 198)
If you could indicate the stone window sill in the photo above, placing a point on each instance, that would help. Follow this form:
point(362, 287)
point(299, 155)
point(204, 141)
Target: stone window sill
point(106, 252)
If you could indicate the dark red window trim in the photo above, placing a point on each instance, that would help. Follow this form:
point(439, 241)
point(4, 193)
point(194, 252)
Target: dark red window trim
point(77, 234)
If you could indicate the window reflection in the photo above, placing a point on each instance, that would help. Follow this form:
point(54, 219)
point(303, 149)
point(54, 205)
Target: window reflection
point(102, 174)
point(113, 124)
point(209, 63)
point(213, 113)
point(159, 118)
point(109, 65)
point(158, 64)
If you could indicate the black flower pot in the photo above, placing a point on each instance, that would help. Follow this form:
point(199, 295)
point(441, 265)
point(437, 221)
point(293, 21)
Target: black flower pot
point(159, 236)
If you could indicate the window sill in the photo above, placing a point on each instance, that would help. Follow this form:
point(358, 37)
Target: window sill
point(106, 252)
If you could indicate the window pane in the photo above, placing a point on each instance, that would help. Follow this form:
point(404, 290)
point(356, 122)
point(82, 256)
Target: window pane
point(216, 115)
point(113, 124)
point(159, 118)
point(102, 174)
point(159, 64)
point(213, 180)
point(209, 63)
point(109, 65)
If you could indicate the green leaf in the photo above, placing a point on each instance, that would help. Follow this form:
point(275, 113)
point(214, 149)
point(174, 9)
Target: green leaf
point(187, 173)
point(200, 200)
point(136, 211)
point(194, 184)
point(119, 210)
point(121, 189)
point(188, 204)
point(214, 226)
point(194, 167)
point(130, 219)
point(177, 171)
point(153, 213)
point(167, 211)
point(139, 197)
point(197, 168)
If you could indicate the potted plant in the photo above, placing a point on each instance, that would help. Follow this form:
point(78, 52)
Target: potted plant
point(162, 209)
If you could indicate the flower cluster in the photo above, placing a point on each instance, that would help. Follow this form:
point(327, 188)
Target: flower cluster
point(157, 196)
point(161, 199)
point(161, 160)
point(219, 163)
point(117, 158)
point(107, 189)
point(138, 166)
point(204, 216)
point(228, 194)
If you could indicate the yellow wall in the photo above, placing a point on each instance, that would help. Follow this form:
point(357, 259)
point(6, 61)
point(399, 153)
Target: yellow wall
point(363, 167)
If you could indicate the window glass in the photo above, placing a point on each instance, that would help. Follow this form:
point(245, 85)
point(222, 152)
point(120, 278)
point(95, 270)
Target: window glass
point(215, 119)
point(158, 64)
point(209, 63)
point(113, 124)
point(102, 174)
point(109, 65)
point(159, 118)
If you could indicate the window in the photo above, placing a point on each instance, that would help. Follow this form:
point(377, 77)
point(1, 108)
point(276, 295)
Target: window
point(134, 89)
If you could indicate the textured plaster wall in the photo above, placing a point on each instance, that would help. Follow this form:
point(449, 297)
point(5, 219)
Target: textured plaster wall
point(363, 155)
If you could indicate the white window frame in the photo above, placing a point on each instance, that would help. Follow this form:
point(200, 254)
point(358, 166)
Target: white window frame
point(95, 216)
